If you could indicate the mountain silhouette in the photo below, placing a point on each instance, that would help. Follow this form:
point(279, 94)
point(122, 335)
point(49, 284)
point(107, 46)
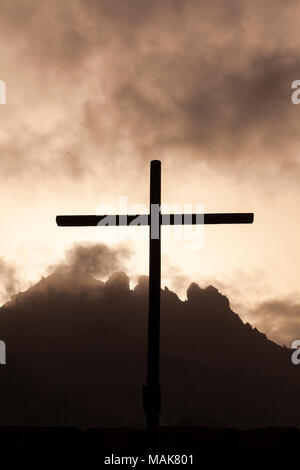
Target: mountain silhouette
point(76, 356)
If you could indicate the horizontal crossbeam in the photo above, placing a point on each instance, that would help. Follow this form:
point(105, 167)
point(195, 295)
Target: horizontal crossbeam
point(144, 219)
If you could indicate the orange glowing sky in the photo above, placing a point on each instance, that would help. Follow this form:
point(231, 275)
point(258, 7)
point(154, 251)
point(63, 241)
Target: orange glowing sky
point(97, 89)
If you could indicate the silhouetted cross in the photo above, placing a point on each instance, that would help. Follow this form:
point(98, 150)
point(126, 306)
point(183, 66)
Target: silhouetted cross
point(151, 391)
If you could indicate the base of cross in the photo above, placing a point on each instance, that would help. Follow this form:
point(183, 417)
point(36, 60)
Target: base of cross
point(152, 404)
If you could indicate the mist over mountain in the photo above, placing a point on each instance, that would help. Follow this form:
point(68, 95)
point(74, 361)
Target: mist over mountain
point(76, 355)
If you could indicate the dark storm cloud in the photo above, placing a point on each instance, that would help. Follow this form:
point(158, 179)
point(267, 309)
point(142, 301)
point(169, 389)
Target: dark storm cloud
point(221, 112)
point(93, 258)
point(211, 79)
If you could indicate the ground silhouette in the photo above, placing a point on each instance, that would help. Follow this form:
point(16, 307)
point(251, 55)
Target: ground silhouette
point(76, 356)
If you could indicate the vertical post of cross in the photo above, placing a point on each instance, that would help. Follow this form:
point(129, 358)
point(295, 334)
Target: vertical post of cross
point(151, 391)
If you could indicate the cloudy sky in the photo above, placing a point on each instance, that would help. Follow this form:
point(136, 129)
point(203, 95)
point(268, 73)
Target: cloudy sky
point(97, 89)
